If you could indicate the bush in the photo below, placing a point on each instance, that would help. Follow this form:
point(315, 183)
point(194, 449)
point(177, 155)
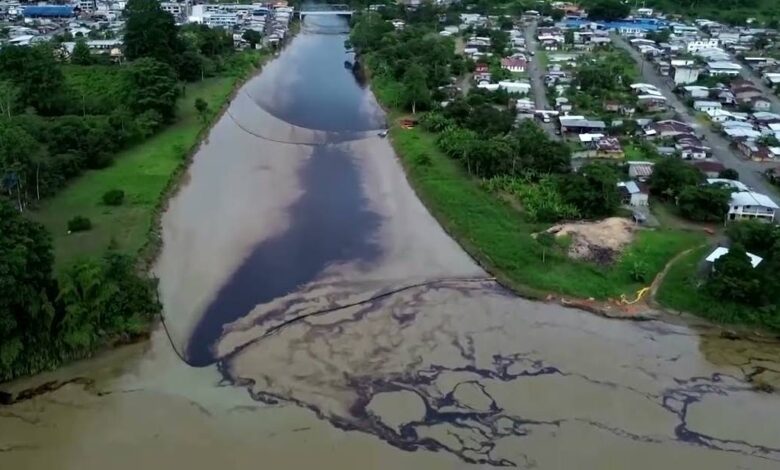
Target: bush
point(79, 224)
point(115, 197)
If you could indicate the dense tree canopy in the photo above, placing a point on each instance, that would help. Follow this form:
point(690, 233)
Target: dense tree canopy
point(671, 176)
point(152, 86)
point(35, 74)
point(734, 278)
point(704, 203)
point(26, 284)
point(81, 54)
point(608, 10)
point(150, 32)
point(592, 190)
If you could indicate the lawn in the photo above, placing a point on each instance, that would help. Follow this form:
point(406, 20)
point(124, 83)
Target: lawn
point(496, 235)
point(683, 290)
point(142, 172)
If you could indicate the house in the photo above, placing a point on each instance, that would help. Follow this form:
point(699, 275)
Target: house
point(514, 64)
point(711, 169)
point(608, 147)
point(640, 170)
point(668, 128)
point(695, 45)
point(720, 115)
point(684, 74)
point(733, 184)
point(696, 92)
point(758, 152)
point(719, 68)
point(704, 106)
point(611, 106)
point(633, 193)
point(692, 151)
point(652, 103)
point(720, 251)
point(745, 93)
point(760, 103)
point(751, 205)
point(524, 105)
point(580, 125)
point(515, 86)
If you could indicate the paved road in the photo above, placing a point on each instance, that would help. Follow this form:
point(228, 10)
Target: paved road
point(535, 70)
point(749, 172)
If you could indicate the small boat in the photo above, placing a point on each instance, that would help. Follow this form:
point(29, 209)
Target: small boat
point(383, 134)
point(347, 64)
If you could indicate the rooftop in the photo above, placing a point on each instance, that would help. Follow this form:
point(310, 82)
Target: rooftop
point(720, 251)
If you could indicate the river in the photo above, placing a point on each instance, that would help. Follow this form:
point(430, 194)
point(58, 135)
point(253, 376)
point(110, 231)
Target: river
point(318, 316)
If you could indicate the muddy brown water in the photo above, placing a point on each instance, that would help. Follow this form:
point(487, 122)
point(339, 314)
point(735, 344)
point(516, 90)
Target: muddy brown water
point(326, 320)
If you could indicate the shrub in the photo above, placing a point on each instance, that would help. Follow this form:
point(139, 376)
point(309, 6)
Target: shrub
point(114, 197)
point(79, 224)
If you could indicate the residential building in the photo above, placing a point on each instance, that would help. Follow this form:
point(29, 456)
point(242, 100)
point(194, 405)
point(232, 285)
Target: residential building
point(633, 193)
point(696, 92)
point(514, 64)
point(720, 68)
point(705, 106)
point(684, 74)
point(711, 169)
point(696, 45)
point(580, 125)
point(733, 184)
point(751, 205)
point(640, 170)
point(760, 103)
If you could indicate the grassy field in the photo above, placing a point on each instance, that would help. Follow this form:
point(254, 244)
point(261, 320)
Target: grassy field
point(142, 172)
point(682, 289)
point(496, 234)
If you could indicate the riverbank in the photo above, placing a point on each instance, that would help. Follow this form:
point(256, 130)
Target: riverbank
point(498, 237)
point(147, 173)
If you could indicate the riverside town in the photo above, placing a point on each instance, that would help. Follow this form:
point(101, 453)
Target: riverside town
point(414, 234)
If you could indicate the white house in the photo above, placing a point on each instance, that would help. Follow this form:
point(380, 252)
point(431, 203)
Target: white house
point(684, 74)
point(633, 193)
point(720, 251)
point(751, 205)
point(696, 91)
point(515, 87)
point(697, 45)
point(705, 106)
point(723, 68)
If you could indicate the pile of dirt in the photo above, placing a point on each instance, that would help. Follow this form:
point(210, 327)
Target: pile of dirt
point(599, 242)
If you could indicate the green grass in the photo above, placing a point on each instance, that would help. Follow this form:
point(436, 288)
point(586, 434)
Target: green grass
point(496, 234)
point(142, 172)
point(682, 289)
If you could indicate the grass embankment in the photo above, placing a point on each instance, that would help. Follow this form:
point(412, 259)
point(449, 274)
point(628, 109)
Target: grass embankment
point(494, 232)
point(143, 172)
point(682, 290)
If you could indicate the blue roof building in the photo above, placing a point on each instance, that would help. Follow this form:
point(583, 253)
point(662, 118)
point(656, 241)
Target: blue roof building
point(48, 11)
point(632, 25)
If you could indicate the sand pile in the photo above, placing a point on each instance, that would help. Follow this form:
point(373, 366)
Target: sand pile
point(600, 242)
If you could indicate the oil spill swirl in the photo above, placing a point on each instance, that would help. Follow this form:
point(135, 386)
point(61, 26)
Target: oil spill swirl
point(329, 223)
point(455, 367)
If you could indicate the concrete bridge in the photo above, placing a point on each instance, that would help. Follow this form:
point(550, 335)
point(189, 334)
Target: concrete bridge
point(325, 10)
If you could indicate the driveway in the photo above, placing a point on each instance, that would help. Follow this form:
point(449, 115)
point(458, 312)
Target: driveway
point(749, 171)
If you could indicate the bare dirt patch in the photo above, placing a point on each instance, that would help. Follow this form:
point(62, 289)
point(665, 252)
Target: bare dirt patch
point(599, 242)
